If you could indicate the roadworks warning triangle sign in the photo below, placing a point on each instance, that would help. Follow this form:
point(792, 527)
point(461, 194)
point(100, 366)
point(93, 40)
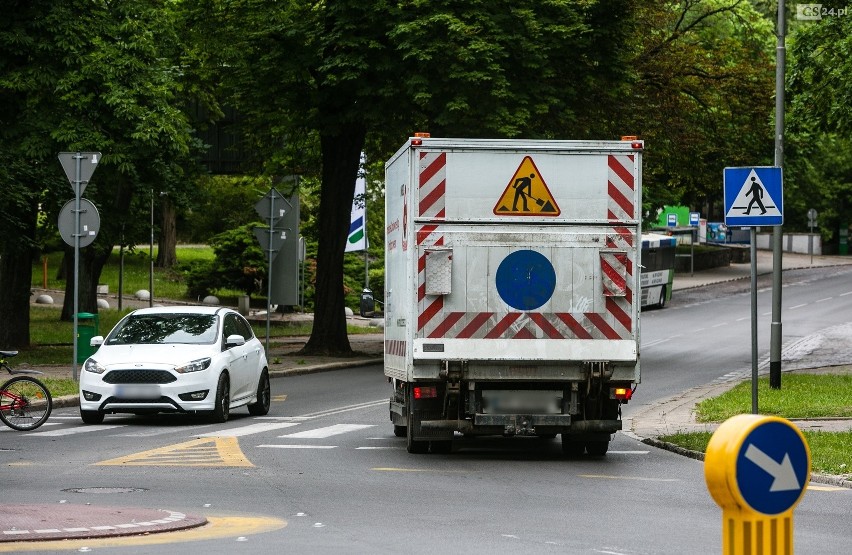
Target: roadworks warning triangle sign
point(753, 199)
point(526, 194)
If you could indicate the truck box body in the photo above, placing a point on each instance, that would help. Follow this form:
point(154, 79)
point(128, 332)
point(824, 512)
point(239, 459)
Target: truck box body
point(511, 288)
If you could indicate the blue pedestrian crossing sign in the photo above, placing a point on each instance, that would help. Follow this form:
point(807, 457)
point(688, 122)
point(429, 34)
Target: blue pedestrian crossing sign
point(753, 196)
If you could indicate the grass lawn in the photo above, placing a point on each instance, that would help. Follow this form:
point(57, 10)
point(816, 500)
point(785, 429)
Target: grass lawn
point(800, 396)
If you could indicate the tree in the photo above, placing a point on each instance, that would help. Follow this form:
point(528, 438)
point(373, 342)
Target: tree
point(701, 97)
point(332, 73)
point(818, 164)
point(104, 82)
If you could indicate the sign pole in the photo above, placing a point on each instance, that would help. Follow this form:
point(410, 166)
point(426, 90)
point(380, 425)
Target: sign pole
point(753, 252)
point(269, 268)
point(78, 159)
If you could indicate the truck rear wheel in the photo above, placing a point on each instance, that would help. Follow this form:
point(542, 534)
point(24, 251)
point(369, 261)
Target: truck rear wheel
point(597, 448)
point(572, 448)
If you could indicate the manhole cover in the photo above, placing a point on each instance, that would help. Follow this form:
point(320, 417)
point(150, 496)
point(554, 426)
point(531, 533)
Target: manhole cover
point(104, 490)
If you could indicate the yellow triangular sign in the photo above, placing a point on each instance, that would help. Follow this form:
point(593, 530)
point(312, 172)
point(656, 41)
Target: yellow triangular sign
point(526, 194)
point(213, 451)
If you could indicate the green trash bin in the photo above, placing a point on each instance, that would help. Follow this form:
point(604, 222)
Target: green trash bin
point(87, 327)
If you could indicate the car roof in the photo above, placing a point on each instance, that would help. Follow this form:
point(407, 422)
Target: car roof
point(183, 309)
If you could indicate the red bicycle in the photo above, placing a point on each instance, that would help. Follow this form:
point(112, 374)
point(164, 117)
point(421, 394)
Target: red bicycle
point(25, 403)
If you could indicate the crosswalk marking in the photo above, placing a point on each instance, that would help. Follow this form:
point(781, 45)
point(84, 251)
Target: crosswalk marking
point(284, 446)
point(77, 430)
point(328, 431)
point(5, 429)
point(250, 429)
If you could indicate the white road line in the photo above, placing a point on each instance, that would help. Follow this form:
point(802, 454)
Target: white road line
point(328, 431)
point(823, 300)
point(377, 448)
point(797, 306)
point(162, 431)
point(329, 412)
point(846, 293)
point(6, 429)
point(300, 446)
point(285, 418)
point(250, 429)
point(628, 452)
point(76, 430)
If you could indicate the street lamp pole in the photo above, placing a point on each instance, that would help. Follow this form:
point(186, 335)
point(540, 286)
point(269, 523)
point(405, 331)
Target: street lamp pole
point(151, 256)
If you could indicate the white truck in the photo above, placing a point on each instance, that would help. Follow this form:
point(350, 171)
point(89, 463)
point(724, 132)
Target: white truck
point(512, 289)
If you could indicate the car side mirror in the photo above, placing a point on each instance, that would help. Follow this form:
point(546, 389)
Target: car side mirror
point(96, 341)
point(234, 341)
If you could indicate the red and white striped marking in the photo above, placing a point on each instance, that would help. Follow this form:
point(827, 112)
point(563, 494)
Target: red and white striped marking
point(433, 185)
point(621, 186)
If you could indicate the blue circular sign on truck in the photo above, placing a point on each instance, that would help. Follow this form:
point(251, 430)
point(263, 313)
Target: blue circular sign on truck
point(525, 280)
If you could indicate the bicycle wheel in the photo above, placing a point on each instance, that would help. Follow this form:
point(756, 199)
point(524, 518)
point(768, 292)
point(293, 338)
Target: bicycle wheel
point(25, 403)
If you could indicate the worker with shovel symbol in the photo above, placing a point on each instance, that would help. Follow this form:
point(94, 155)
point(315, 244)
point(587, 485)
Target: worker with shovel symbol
point(523, 189)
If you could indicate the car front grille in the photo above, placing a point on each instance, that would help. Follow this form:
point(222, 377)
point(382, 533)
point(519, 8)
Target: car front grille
point(138, 376)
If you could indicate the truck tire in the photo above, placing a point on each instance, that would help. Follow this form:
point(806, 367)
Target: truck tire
point(597, 448)
point(412, 445)
point(399, 431)
point(572, 448)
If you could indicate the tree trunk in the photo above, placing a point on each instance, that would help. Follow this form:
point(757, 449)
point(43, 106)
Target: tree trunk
point(341, 153)
point(92, 261)
point(167, 254)
point(16, 273)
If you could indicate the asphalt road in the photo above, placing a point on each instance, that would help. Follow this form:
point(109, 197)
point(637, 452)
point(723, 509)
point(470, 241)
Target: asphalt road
point(323, 473)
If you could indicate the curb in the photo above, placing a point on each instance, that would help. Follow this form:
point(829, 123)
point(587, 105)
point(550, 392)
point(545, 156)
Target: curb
point(828, 479)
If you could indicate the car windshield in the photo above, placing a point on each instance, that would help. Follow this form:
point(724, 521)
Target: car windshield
point(165, 329)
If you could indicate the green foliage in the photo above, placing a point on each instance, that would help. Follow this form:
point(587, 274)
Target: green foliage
point(221, 203)
point(818, 164)
point(700, 97)
point(239, 264)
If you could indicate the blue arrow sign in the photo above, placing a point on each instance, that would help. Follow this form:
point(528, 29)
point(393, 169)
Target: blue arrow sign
point(753, 196)
point(772, 467)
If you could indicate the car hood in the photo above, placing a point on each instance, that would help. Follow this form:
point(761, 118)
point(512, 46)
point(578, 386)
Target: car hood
point(124, 356)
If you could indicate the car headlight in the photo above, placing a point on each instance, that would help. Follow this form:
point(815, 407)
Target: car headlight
point(194, 366)
point(91, 365)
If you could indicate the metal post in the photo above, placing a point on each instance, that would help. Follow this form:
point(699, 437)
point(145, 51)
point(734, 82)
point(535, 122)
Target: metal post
point(151, 256)
point(78, 178)
point(269, 269)
point(777, 253)
point(753, 248)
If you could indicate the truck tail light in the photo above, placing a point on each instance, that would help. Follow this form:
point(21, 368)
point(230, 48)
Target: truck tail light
point(622, 393)
point(635, 143)
point(418, 140)
point(425, 392)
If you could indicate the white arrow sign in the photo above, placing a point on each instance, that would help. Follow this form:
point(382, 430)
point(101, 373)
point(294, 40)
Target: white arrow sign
point(783, 473)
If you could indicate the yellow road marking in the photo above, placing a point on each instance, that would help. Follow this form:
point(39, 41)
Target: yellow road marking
point(217, 527)
point(212, 451)
point(826, 488)
point(279, 397)
point(637, 478)
point(437, 470)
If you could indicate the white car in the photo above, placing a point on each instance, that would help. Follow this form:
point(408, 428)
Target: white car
point(194, 359)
